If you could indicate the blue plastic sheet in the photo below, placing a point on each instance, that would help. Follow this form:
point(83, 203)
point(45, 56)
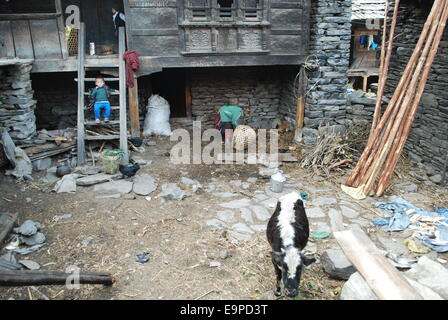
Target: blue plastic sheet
point(402, 210)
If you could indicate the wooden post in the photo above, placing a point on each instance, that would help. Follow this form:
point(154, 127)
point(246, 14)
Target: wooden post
point(134, 112)
point(123, 118)
point(300, 108)
point(188, 103)
point(61, 29)
point(81, 72)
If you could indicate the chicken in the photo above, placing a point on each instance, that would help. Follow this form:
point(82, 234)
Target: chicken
point(129, 171)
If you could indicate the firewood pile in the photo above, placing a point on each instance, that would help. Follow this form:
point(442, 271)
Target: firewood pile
point(374, 170)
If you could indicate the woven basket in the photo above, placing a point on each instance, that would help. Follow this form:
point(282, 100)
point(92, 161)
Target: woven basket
point(243, 136)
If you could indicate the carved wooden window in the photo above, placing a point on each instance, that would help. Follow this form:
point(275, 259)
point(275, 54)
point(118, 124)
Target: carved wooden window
point(199, 9)
point(251, 9)
point(226, 8)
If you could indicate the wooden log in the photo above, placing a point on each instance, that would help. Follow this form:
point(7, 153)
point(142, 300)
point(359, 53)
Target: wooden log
point(383, 278)
point(384, 180)
point(406, 105)
point(12, 278)
point(7, 222)
point(374, 142)
point(385, 61)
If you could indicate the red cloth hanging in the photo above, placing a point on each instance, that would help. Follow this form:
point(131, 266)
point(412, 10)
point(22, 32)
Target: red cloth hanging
point(132, 66)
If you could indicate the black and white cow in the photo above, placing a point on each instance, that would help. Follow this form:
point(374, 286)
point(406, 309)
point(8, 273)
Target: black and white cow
point(287, 233)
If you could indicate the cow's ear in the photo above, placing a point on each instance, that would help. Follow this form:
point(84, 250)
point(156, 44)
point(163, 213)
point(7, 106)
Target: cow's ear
point(277, 256)
point(307, 260)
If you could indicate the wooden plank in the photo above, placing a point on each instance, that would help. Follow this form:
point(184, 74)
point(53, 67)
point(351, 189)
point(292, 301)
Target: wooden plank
point(6, 40)
point(12, 278)
point(29, 16)
point(81, 87)
point(7, 222)
point(45, 37)
point(22, 39)
point(134, 113)
point(188, 98)
point(61, 29)
point(384, 279)
point(123, 118)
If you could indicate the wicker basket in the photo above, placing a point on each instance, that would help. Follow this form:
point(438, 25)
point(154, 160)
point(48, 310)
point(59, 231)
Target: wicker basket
point(243, 136)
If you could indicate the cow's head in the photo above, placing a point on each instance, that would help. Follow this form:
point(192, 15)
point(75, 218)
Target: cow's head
point(291, 262)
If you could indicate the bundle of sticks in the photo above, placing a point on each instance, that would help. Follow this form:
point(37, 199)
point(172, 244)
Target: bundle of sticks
point(389, 132)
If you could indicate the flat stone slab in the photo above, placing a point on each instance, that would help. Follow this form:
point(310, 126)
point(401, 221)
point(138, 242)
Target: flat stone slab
point(97, 178)
point(37, 238)
point(66, 184)
point(336, 264)
point(323, 201)
point(30, 265)
point(246, 215)
point(261, 213)
point(259, 227)
point(144, 185)
point(172, 191)
point(89, 170)
point(225, 194)
point(349, 212)
point(226, 215)
point(240, 236)
point(121, 186)
point(356, 288)
point(430, 274)
point(260, 197)
point(336, 220)
point(269, 203)
point(241, 227)
point(314, 213)
point(216, 225)
point(235, 204)
point(396, 247)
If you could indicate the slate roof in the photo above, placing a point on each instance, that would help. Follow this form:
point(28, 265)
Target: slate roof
point(368, 9)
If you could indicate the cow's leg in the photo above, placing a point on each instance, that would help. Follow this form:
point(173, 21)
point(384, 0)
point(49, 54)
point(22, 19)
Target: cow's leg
point(278, 273)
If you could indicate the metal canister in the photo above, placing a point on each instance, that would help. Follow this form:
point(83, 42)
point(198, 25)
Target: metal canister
point(92, 48)
point(278, 181)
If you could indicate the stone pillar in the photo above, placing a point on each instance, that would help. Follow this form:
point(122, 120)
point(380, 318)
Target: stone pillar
point(16, 101)
point(330, 43)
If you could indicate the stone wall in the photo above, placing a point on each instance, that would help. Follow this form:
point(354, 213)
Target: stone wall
point(259, 87)
point(330, 50)
point(16, 101)
point(428, 140)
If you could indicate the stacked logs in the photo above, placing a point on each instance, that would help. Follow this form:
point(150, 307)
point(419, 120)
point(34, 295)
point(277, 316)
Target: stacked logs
point(373, 172)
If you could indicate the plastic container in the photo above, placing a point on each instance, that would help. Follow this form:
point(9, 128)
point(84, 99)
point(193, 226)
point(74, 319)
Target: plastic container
point(92, 48)
point(278, 181)
point(110, 161)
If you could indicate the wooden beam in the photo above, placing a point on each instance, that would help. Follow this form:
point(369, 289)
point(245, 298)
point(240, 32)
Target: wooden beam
point(29, 16)
point(384, 279)
point(188, 101)
point(13, 278)
point(134, 113)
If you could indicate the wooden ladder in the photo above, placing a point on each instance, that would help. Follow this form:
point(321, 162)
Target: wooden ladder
point(82, 123)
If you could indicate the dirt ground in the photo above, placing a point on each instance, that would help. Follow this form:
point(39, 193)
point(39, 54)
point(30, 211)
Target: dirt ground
point(174, 232)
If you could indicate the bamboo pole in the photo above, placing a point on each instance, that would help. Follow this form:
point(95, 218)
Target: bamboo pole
point(411, 116)
point(374, 143)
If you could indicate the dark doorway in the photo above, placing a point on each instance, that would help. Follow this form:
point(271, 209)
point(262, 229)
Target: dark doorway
point(97, 16)
point(170, 84)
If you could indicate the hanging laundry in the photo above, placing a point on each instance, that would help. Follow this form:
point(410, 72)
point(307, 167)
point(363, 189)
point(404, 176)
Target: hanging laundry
point(363, 40)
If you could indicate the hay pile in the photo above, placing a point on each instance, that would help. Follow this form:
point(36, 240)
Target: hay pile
point(335, 150)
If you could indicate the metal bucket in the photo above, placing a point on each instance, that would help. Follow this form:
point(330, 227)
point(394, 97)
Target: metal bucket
point(278, 181)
